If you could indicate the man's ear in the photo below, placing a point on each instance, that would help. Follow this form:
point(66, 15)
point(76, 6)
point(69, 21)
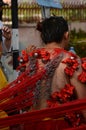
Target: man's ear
point(66, 35)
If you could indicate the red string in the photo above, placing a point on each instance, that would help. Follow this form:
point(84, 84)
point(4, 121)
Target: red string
point(41, 115)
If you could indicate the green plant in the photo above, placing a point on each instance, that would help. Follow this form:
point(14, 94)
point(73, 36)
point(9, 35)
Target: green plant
point(78, 40)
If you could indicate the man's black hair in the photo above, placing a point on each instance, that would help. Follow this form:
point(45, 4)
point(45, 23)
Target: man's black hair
point(53, 29)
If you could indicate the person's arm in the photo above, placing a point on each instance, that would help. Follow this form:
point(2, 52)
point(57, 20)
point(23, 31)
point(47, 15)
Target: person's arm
point(80, 88)
point(77, 79)
point(6, 33)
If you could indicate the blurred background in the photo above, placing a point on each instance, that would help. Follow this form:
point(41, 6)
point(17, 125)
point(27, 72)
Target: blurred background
point(29, 13)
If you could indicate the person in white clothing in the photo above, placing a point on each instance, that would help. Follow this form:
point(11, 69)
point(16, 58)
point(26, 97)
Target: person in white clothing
point(5, 39)
point(6, 32)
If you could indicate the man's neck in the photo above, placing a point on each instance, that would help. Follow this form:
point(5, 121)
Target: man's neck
point(53, 45)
